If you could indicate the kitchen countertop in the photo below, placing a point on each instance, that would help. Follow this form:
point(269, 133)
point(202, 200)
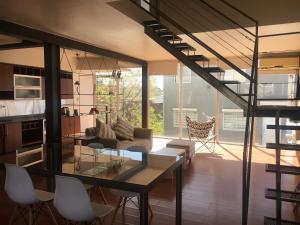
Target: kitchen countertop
point(21, 118)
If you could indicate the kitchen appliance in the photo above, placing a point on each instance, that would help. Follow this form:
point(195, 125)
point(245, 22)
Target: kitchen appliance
point(65, 111)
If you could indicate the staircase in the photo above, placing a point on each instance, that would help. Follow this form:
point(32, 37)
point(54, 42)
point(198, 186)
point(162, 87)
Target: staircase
point(278, 194)
point(170, 34)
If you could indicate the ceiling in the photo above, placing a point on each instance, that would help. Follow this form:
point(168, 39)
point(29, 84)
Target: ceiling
point(102, 25)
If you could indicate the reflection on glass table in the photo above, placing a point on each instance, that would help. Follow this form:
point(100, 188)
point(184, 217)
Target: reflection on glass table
point(106, 163)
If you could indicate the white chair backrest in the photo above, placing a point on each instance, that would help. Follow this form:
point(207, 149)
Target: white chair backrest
point(71, 200)
point(18, 185)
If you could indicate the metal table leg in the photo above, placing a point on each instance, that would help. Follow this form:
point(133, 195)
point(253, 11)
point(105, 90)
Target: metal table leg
point(144, 208)
point(179, 195)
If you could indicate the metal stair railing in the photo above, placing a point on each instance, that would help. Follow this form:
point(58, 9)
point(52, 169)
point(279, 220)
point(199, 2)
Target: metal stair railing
point(161, 16)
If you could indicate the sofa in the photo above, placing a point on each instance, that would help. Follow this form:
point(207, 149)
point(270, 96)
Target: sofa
point(142, 137)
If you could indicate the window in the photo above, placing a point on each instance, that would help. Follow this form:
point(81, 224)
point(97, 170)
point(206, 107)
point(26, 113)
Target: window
point(187, 76)
point(233, 119)
point(191, 112)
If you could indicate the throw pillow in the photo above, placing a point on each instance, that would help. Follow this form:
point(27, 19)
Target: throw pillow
point(104, 130)
point(123, 130)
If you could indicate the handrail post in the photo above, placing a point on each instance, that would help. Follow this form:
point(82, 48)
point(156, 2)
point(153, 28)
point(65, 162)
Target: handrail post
point(247, 154)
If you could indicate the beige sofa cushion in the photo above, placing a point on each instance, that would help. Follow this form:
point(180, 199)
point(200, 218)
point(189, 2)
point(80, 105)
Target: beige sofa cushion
point(136, 142)
point(104, 130)
point(123, 130)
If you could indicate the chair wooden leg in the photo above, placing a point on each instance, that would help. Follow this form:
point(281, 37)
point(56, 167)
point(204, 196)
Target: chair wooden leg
point(30, 215)
point(51, 214)
point(102, 195)
point(150, 210)
point(124, 205)
point(116, 210)
point(12, 217)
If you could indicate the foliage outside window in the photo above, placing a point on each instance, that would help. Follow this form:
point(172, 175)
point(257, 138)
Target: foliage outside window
point(121, 97)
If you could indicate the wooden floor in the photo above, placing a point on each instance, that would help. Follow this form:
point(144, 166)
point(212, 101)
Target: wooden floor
point(211, 191)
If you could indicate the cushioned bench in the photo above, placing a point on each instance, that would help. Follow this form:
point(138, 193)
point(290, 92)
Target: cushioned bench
point(187, 145)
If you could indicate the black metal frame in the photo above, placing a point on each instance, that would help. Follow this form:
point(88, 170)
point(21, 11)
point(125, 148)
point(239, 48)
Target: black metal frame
point(144, 96)
point(53, 109)
point(39, 36)
point(23, 44)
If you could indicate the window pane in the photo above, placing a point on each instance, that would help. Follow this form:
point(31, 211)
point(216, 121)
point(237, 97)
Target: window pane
point(27, 93)
point(199, 100)
point(156, 104)
point(27, 81)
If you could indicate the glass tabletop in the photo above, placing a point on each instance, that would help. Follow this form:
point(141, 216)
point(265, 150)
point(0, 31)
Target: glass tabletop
point(135, 167)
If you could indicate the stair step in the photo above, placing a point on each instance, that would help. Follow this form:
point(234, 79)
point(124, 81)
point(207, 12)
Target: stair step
point(214, 69)
point(165, 33)
point(292, 147)
point(151, 23)
point(272, 221)
point(284, 127)
point(230, 82)
point(183, 47)
point(198, 58)
point(294, 170)
point(284, 111)
point(245, 95)
point(172, 38)
point(285, 196)
point(159, 28)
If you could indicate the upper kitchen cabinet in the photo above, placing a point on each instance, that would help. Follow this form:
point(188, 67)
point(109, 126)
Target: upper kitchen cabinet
point(66, 85)
point(27, 87)
point(7, 82)
point(26, 82)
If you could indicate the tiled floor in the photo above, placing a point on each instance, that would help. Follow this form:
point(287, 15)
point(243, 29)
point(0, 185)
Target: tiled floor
point(211, 192)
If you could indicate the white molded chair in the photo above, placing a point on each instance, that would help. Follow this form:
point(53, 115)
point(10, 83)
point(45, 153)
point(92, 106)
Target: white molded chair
point(19, 188)
point(73, 203)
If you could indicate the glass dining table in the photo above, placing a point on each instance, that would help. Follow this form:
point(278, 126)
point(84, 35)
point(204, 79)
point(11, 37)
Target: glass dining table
point(133, 171)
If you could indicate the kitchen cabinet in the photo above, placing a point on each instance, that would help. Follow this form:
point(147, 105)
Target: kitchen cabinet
point(7, 72)
point(13, 136)
point(66, 87)
point(70, 125)
point(7, 82)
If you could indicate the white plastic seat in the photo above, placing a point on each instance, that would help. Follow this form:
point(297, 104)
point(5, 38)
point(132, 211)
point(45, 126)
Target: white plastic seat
point(19, 188)
point(72, 201)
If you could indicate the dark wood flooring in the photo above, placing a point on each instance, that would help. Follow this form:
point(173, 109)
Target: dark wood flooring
point(211, 192)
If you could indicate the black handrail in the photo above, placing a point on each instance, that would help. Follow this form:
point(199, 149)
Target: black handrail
point(228, 18)
point(279, 34)
point(240, 11)
point(217, 38)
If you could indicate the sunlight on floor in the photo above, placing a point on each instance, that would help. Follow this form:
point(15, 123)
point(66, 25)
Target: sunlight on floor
point(235, 152)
